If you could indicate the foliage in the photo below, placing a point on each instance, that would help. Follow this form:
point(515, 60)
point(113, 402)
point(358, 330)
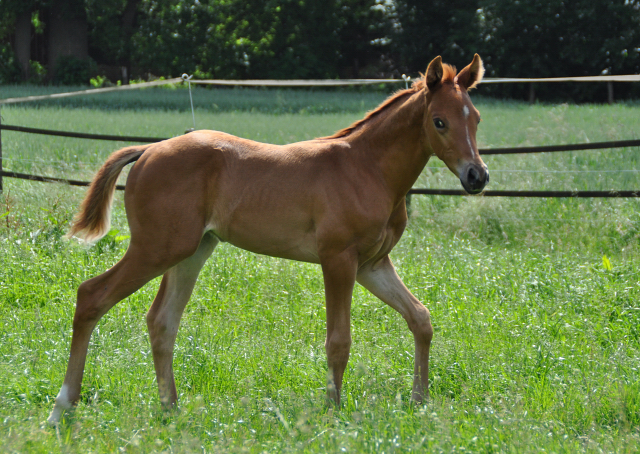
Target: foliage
point(108, 44)
point(450, 28)
point(74, 71)
point(98, 81)
point(37, 72)
point(359, 38)
point(9, 68)
point(533, 38)
point(257, 39)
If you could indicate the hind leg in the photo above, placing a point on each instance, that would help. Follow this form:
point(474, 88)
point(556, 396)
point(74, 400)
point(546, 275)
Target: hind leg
point(95, 297)
point(144, 260)
point(163, 318)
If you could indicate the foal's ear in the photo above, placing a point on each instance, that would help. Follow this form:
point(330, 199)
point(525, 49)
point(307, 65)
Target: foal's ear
point(434, 73)
point(472, 74)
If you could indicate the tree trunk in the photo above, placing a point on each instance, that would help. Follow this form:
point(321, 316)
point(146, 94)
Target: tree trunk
point(68, 32)
point(128, 21)
point(22, 43)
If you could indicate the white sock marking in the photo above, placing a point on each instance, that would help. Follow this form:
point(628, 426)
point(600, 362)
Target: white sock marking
point(63, 397)
point(62, 404)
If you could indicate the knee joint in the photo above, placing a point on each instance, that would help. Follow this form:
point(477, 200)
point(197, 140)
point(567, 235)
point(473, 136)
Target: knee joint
point(420, 325)
point(86, 308)
point(161, 332)
point(336, 344)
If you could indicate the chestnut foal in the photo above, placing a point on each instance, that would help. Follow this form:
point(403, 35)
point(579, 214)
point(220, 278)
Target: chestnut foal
point(338, 201)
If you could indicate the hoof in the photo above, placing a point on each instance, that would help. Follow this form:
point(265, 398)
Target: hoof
point(333, 396)
point(56, 415)
point(419, 398)
point(62, 405)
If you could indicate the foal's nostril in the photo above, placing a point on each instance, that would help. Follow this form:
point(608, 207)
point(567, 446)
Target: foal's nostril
point(473, 177)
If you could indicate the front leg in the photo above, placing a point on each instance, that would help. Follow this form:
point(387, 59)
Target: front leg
point(382, 280)
point(339, 271)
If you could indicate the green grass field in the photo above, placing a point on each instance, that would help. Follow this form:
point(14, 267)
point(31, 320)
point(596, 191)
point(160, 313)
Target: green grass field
point(534, 301)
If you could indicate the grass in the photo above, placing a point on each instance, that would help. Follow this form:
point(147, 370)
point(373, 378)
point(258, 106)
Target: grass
point(534, 304)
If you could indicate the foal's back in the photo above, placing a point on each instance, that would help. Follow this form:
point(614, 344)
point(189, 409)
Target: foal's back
point(265, 198)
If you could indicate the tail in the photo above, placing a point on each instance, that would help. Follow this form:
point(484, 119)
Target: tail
point(94, 218)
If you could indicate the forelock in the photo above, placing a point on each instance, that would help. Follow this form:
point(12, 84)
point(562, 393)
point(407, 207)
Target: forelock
point(448, 73)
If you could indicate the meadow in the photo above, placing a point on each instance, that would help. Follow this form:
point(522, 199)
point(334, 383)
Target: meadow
point(534, 301)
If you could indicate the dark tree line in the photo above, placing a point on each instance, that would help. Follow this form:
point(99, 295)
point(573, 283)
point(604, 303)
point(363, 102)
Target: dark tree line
point(59, 40)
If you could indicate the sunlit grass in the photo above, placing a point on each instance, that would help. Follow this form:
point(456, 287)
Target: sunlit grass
point(536, 342)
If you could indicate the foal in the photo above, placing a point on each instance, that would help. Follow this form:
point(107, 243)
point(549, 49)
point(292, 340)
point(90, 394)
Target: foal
point(338, 201)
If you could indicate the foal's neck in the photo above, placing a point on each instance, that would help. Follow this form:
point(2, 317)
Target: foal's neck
point(395, 141)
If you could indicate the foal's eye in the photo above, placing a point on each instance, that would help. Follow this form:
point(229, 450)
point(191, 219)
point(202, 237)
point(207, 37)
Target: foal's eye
point(439, 123)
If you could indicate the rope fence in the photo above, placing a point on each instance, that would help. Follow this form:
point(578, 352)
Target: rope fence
point(82, 135)
point(483, 151)
point(417, 191)
point(328, 83)
point(309, 83)
point(91, 91)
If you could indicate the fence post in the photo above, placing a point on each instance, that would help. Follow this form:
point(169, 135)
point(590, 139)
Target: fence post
point(610, 92)
point(532, 93)
point(0, 151)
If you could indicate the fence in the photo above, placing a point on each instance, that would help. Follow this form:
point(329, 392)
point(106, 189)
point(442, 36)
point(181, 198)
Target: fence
point(307, 83)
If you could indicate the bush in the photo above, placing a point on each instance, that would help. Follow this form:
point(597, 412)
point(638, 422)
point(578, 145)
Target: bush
point(37, 72)
point(10, 72)
point(73, 71)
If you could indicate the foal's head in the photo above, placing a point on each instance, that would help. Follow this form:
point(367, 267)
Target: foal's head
point(452, 121)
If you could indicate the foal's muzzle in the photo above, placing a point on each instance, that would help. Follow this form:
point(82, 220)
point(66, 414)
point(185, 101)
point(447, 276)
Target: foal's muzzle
point(474, 178)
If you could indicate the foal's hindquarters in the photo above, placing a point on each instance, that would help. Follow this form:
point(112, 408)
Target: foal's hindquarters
point(167, 237)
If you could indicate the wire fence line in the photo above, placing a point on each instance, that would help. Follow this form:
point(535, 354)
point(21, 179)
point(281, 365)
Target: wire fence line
point(416, 191)
point(50, 163)
point(66, 164)
point(82, 135)
point(556, 194)
point(310, 83)
point(26, 176)
point(91, 91)
point(483, 151)
point(566, 147)
point(421, 191)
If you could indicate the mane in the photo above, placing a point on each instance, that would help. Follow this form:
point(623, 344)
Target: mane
point(448, 76)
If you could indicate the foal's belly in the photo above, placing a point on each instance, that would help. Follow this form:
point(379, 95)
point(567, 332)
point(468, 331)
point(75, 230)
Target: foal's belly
point(273, 239)
point(299, 249)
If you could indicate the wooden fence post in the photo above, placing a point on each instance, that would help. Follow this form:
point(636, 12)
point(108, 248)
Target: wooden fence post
point(532, 93)
point(0, 151)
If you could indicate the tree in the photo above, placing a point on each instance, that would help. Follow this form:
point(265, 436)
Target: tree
point(424, 30)
point(261, 39)
point(363, 28)
point(534, 38)
point(66, 32)
point(15, 29)
point(287, 39)
point(112, 27)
